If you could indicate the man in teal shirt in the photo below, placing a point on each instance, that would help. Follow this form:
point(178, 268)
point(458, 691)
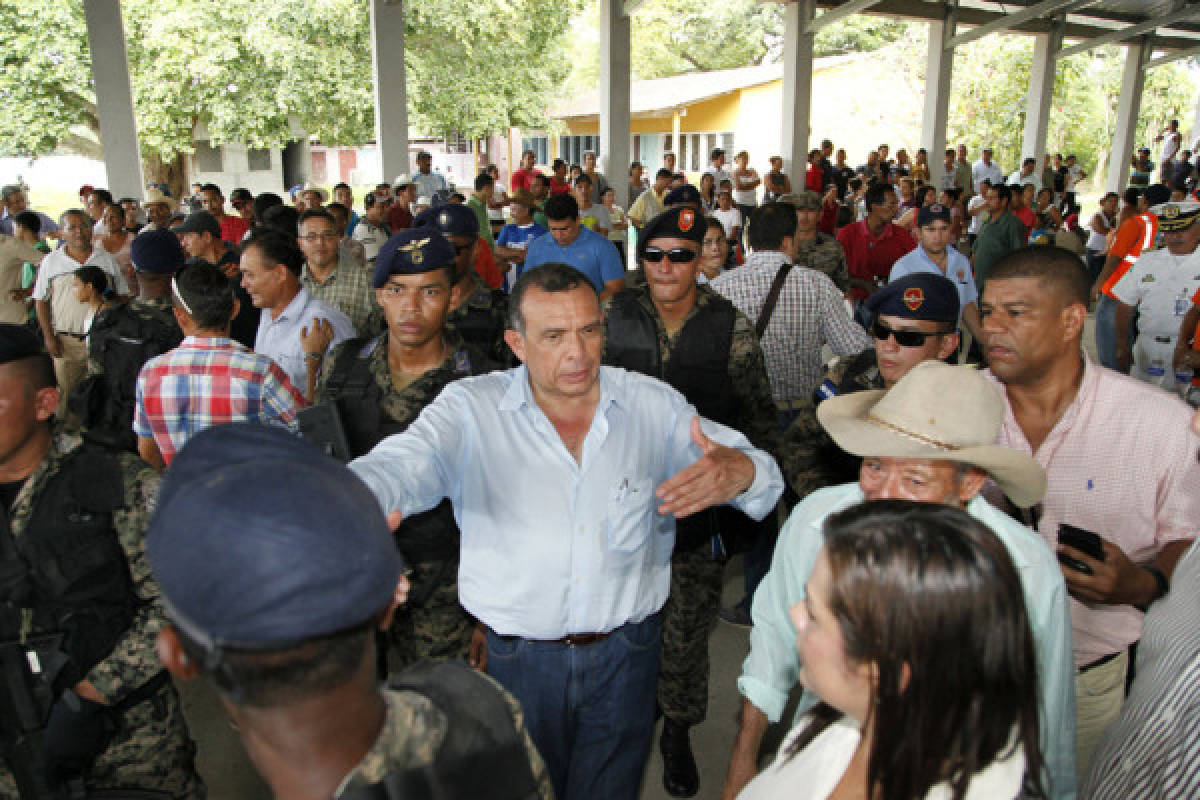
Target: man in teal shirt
point(478, 202)
point(999, 235)
point(910, 453)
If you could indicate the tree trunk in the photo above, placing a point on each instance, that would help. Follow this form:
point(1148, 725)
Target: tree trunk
point(173, 173)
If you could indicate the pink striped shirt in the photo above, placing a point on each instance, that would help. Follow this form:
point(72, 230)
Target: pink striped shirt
point(1121, 462)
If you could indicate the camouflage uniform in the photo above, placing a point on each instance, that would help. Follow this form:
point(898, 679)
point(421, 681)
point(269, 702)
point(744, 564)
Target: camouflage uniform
point(152, 749)
point(412, 732)
point(482, 320)
point(825, 254)
point(694, 598)
point(159, 308)
point(807, 456)
point(438, 628)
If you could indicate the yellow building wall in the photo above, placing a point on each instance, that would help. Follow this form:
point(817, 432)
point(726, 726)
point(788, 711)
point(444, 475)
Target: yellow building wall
point(716, 114)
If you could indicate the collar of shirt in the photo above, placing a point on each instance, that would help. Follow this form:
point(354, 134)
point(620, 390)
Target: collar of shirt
point(306, 276)
point(211, 343)
point(520, 394)
point(767, 259)
point(293, 310)
point(1085, 393)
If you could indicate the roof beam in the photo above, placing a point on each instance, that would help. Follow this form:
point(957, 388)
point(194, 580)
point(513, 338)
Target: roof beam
point(841, 12)
point(1169, 57)
point(1010, 21)
point(1130, 31)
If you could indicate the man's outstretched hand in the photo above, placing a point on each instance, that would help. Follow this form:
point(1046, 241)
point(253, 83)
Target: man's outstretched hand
point(720, 475)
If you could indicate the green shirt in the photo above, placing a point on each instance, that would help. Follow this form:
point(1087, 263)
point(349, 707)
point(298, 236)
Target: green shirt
point(485, 225)
point(997, 238)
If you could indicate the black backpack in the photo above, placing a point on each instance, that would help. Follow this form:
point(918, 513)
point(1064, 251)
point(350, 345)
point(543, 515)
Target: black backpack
point(121, 340)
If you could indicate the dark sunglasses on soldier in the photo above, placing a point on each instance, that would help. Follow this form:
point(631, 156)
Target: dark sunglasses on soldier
point(903, 338)
point(676, 255)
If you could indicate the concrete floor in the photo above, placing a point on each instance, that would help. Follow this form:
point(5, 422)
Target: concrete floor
point(230, 775)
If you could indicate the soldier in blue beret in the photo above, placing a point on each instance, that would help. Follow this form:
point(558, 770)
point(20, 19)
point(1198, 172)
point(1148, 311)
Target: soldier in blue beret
point(378, 386)
point(476, 312)
point(276, 567)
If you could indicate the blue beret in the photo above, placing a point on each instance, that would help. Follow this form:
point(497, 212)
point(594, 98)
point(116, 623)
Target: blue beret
point(918, 295)
point(157, 252)
point(451, 219)
point(682, 194)
point(261, 541)
point(412, 251)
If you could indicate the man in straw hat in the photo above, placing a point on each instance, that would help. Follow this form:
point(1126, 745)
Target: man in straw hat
point(159, 208)
point(917, 446)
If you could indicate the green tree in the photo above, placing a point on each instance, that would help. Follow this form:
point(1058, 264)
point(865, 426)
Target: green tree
point(249, 68)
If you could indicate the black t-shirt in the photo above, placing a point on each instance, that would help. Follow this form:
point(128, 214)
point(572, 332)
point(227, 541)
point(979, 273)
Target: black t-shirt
point(842, 177)
point(1060, 179)
point(9, 492)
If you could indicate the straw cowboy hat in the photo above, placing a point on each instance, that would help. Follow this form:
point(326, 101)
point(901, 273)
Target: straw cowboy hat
point(940, 412)
point(155, 195)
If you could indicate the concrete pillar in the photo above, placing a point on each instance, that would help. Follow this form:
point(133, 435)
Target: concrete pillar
point(614, 96)
point(391, 94)
point(1194, 133)
point(676, 147)
point(797, 87)
point(114, 98)
point(1128, 105)
point(939, 68)
point(1041, 91)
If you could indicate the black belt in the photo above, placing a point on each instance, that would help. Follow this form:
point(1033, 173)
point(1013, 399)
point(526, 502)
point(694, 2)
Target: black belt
point(1164, 339)
point(1099, 662)
point(79, 336)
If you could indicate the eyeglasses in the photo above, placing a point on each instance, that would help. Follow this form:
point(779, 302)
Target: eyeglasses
point(903, 338)
point(328, 236)
point(676, 255)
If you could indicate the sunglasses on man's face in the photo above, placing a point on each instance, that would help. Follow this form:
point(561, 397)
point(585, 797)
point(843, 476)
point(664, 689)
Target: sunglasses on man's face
point(903, 338)
point(676, 255)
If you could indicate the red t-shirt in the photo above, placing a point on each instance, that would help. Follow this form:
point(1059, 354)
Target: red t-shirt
point(399, 218)
point(813, 178)
point(523, 179)
point(1028, 219)
point(485, 265)
point(558, 188)
point(871, 257)
point(233, 228)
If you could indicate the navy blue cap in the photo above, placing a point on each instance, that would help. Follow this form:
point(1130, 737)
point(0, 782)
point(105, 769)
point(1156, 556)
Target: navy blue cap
point(200, 222)
point(918, 295)
point(932, 213)
point(452, 219)
point(410, 252)
point(157, 252)
point(17, 342)
point(682, 194)
point(261, 541)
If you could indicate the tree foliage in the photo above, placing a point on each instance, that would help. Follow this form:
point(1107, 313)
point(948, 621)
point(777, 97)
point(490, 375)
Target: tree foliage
point(248, 69)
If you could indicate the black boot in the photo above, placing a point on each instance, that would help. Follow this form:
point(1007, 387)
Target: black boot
point(680, 776)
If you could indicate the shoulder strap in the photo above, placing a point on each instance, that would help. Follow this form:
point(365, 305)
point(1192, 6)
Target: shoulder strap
point(347, 360)
point(772, 298)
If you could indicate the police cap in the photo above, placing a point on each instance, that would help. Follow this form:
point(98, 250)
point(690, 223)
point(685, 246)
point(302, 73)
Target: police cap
point(17, 342)
point(919, 295)
point(261, 541)
point(451, 219)
point(410, 252)
point(157, 252)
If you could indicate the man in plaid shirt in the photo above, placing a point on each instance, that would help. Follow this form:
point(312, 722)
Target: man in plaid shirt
point(209, 379)
point(809, 313)
point(338, 281)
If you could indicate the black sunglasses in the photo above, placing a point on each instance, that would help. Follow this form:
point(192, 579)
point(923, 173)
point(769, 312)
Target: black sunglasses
point(676, 255)
point(903, 338)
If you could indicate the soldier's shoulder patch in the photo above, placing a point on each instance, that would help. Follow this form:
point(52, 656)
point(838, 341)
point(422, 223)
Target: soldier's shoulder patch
point(1148, 279)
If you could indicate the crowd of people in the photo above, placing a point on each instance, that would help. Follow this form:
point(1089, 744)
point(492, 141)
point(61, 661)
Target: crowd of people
point(393, 470)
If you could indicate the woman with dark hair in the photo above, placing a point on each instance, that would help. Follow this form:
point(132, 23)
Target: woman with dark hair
point(914, 635)
point(91, 287)
point(708, 191)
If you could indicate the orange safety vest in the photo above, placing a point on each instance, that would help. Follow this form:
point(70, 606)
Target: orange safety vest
point(1143, 243)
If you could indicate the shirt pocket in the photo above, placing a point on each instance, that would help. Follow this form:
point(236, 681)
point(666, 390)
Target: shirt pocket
point(631, 514)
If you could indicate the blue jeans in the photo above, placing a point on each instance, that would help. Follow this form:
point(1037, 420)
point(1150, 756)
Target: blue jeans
point(1106, 331)
point(589, 709)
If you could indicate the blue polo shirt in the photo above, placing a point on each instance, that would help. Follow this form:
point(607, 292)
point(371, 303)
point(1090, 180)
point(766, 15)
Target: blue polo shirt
point(958, 270)
point(592, 254)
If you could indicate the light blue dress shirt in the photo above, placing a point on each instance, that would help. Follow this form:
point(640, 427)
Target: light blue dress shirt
point(280, 338)
point(958, 271)
point(773, 667)
point(551, 546)
point(592, 254)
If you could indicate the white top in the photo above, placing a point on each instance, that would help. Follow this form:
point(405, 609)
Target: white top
point(1017, 179)
point(499, 196)
point(1161, 286)
point(280, 338)
point(1170, 145)
point(745, 197)
point(616, 215)
point(729, 220)
point(1099, 241)
point(990, 171)
point(371, 237)
point(814, 772)
point(572, 546)
point(1072, 178)
point(53, 284)
point(975, 202)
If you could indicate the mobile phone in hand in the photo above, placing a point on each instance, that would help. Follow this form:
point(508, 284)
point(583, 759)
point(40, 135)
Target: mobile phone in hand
point(1084, 541)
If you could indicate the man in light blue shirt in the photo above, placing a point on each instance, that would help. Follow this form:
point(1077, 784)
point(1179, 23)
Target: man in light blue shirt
point(565, 478)
point(570, 242)
point(296, 329)
point(935, 254)
point(916, 446)
point(426, 180)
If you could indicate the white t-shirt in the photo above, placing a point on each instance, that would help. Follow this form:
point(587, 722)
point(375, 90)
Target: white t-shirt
point(1170, 145)
point(1072, 178)
point(54, 285)
point(718, 176)
point(729, 220)
point(745, 197)
point(977, 220)
point(1099, 241)
point(499, 196)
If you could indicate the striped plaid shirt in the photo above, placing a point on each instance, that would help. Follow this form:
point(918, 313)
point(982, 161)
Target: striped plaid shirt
point(209, 381)
point(809, 314)
point(348, 289)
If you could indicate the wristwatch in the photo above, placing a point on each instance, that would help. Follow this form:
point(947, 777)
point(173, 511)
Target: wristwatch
point(1162, 585)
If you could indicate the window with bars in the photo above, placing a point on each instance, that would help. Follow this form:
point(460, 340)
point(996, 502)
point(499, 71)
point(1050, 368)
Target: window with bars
point(540, 145)
point(208, 158)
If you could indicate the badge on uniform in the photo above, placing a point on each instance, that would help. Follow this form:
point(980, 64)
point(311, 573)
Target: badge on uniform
point(687, 218)
point(1148, 279)
point(462, 362)
point(914, 298)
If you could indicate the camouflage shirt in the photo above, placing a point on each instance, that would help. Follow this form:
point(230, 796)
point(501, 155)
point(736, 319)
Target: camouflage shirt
point(825, 254)
point(756, 416)
point(414, 729)
point(156, 308)
point(808, 457)
point(403, 405)
point(489, 310)
point(132, 661)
